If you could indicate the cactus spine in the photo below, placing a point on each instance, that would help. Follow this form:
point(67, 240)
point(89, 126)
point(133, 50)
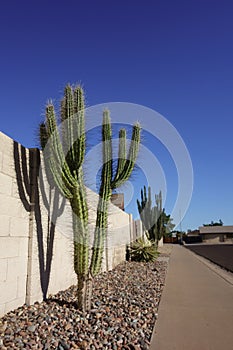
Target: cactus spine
point(64, 153)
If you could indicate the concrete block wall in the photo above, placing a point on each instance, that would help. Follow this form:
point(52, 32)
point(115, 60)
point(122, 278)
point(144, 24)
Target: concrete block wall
point(34, 258)
point(137, 229)
point(14, 224)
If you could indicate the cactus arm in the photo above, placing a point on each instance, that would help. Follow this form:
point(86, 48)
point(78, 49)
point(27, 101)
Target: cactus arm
point(67, 117)
point(79, 110)
point(131, 158)
point(53, 153)
point(121, 154)
point(139, 206)
point(149, 197)
point(104, 196)
point(55, 148)
point(73, 116)
point(44, 136)
point(124, 169)
point(145, 195)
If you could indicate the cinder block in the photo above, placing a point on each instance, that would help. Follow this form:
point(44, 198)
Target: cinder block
point(5, 225)
point(15, 188)
point(23, 247)
point(8, 291)
point(118, 256)
point(118, 235)
point(9, 247)
point(6, 144)
point(18, 189)
point(19, 227)
point(17, 267)
point(11, 206)
point(3, 270)
point(5, 184)
point(24, 214)
point(14, 304)
point(21, 286)
point(8, 165)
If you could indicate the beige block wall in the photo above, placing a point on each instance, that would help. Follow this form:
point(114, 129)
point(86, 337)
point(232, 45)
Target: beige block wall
point(13, 233)
point(21, 238)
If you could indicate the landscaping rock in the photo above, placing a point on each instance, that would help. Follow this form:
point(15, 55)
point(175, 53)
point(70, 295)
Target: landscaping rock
point(124, 310)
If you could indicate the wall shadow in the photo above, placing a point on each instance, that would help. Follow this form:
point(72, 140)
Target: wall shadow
point(32, 191)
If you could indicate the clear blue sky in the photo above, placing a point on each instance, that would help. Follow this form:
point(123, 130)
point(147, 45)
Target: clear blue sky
point(175, 57)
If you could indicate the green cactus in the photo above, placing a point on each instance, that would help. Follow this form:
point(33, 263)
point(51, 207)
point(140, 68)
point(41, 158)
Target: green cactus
point(109, 181)
point(64, 156)
point(160, 220)
point(64, 153)
point(151, 216)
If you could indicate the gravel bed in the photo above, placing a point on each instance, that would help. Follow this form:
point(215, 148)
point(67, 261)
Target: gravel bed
point(124, 311)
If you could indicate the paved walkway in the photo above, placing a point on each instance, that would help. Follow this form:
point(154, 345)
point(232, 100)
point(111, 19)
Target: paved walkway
point(196, 308)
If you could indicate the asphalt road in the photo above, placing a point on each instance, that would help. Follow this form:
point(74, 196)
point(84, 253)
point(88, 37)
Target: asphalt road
point(220, 254)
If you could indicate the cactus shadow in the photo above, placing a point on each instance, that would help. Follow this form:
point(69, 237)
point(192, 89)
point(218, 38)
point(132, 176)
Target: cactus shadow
point(31, 189)
point(62, 302)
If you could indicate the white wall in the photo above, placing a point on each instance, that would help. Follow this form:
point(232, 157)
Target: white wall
point(14, 226)
point(25, 226)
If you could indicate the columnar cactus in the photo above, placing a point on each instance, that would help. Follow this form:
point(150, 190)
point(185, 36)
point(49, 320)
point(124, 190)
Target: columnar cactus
point(64, 154)
point(151, 216)
point(109, 181)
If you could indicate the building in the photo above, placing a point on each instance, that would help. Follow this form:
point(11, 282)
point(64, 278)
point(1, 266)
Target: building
point(118, 200)
point(216, 234)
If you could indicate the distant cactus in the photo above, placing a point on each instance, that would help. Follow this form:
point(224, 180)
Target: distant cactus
point(151, 215)
point(64, 155)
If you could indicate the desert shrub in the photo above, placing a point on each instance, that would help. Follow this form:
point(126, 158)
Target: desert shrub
point(143, 250)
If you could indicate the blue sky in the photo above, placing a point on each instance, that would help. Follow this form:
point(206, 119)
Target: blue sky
point(175, 57)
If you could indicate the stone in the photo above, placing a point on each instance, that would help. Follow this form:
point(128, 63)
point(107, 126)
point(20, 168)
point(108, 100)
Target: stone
point(32, 328)
point(124, 319)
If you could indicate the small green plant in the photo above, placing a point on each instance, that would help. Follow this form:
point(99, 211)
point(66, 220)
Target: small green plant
point(143, 250)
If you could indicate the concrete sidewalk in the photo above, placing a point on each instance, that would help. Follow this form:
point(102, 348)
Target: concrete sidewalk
point(196, 308)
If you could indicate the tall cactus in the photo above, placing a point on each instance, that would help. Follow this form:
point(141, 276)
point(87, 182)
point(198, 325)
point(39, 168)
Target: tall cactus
point(64, 155)
point(109, 181)
point(151, 216)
